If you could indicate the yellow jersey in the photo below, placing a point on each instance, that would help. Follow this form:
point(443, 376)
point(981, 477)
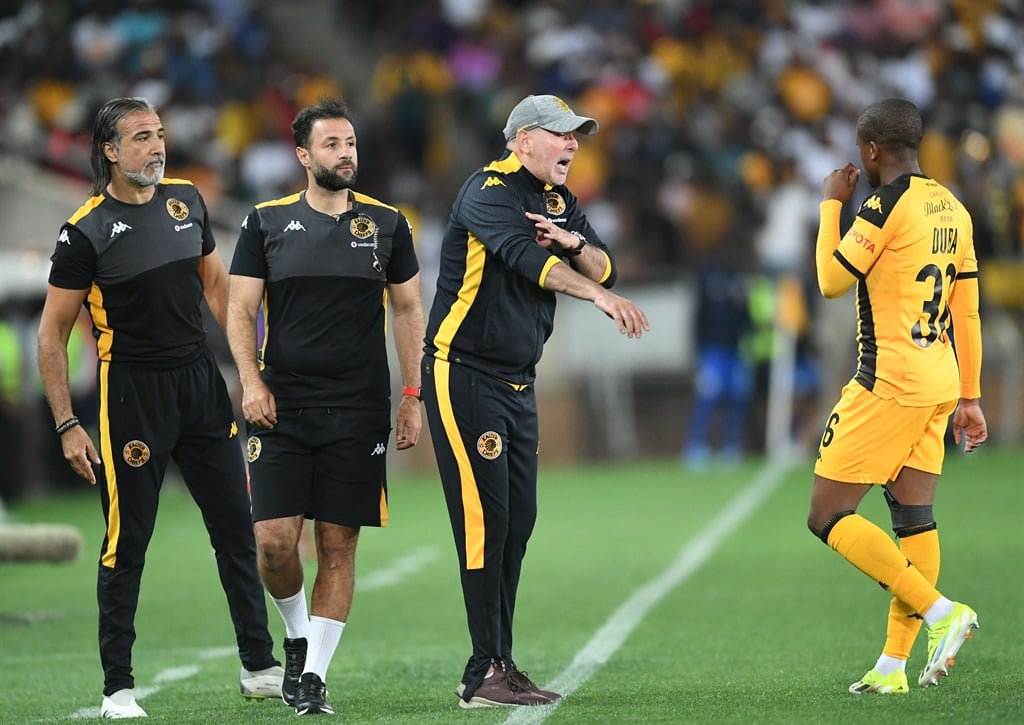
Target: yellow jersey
point(910, 252)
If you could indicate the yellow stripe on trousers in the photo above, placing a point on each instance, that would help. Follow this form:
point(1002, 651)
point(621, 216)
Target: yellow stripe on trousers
point(472, 511)
point(109, 557)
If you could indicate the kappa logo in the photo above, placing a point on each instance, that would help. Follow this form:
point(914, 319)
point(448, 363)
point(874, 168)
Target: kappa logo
point(492, 181)
point(136, 453)
point(64, 238)
point(245, 223)
point(234, 430)
point(118, 228)
point(379, 450)
point(489, 445)
point(253, 448)
point(294, 226)
point(873, 203)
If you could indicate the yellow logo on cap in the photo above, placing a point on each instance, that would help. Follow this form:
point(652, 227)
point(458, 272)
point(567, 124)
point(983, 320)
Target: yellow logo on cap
point(562, 104)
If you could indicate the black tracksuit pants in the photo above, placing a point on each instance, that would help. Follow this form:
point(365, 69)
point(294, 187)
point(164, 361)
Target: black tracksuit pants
point(147, 418)
point(485, 438)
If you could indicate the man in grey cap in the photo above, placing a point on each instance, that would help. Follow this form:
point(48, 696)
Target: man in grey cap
point(550, 113)
point(515, 237)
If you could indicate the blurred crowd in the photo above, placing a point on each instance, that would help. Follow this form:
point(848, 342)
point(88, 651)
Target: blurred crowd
point(719, 118)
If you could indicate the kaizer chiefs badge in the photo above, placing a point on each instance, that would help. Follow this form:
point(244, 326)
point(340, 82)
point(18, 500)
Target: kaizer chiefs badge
point(253, 448)
point(554, 203)
point(177, 209)
point(489, 445)
point(136, 453)
point(362, 227)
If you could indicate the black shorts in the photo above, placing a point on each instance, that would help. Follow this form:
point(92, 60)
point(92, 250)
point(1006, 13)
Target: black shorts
point(328, 464)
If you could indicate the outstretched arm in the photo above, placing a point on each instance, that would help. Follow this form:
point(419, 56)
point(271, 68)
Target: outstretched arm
point(629, 318)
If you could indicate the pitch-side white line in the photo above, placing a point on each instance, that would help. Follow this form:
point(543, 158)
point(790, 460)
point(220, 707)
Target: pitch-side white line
point(607, 640)
point(411, 563)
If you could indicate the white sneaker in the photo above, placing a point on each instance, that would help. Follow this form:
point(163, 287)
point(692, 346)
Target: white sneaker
point(261, 684)
point(121, 704)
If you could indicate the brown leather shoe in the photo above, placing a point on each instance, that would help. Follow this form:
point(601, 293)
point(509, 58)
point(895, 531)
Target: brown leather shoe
point(498, 690)
point(519, 679)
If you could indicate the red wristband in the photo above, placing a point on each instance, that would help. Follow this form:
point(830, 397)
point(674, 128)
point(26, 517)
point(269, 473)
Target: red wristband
point(411, 392)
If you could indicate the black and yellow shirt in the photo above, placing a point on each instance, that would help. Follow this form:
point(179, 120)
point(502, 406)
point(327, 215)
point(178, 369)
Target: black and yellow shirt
point(490, 311)
point(140, 263)
point(911, 252)
point(325, 297)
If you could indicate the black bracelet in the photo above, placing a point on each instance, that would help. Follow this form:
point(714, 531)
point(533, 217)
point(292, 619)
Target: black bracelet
point(67, 425)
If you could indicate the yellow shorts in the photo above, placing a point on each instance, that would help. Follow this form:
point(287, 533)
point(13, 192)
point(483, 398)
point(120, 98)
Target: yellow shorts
point(869, 440)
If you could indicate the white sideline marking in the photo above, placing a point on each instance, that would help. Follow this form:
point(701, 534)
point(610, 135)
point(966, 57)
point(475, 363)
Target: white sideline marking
point(411, 563)
point(172, 674)
point(607, 640)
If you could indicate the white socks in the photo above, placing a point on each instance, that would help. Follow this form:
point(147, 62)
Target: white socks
point(941, 609)
point(886, 665)
point(294, 613)
point(323, 637)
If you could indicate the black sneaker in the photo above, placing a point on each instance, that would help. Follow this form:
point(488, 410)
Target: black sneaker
point(294, 663)
point(311, 697)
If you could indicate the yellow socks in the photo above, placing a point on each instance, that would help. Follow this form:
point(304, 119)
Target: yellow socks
point(870, 549)
point(922, 550)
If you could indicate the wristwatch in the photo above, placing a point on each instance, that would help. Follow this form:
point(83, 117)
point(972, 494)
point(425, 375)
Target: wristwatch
point(578, 249)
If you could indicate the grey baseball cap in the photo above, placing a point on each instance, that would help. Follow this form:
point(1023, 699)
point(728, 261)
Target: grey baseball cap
point(548, 112)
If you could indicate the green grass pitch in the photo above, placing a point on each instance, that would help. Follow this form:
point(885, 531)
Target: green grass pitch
point(661, 595)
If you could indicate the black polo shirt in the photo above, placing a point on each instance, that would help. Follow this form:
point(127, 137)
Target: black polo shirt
point(140, 263)
point(325, 297)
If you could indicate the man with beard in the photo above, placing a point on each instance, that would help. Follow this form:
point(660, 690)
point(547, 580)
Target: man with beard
point(140, 251)
point(324, 263)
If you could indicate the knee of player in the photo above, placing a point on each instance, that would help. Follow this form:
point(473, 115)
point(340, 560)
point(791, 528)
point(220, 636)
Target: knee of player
point(910, 520)
point(822, 529)
point(275, 552)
